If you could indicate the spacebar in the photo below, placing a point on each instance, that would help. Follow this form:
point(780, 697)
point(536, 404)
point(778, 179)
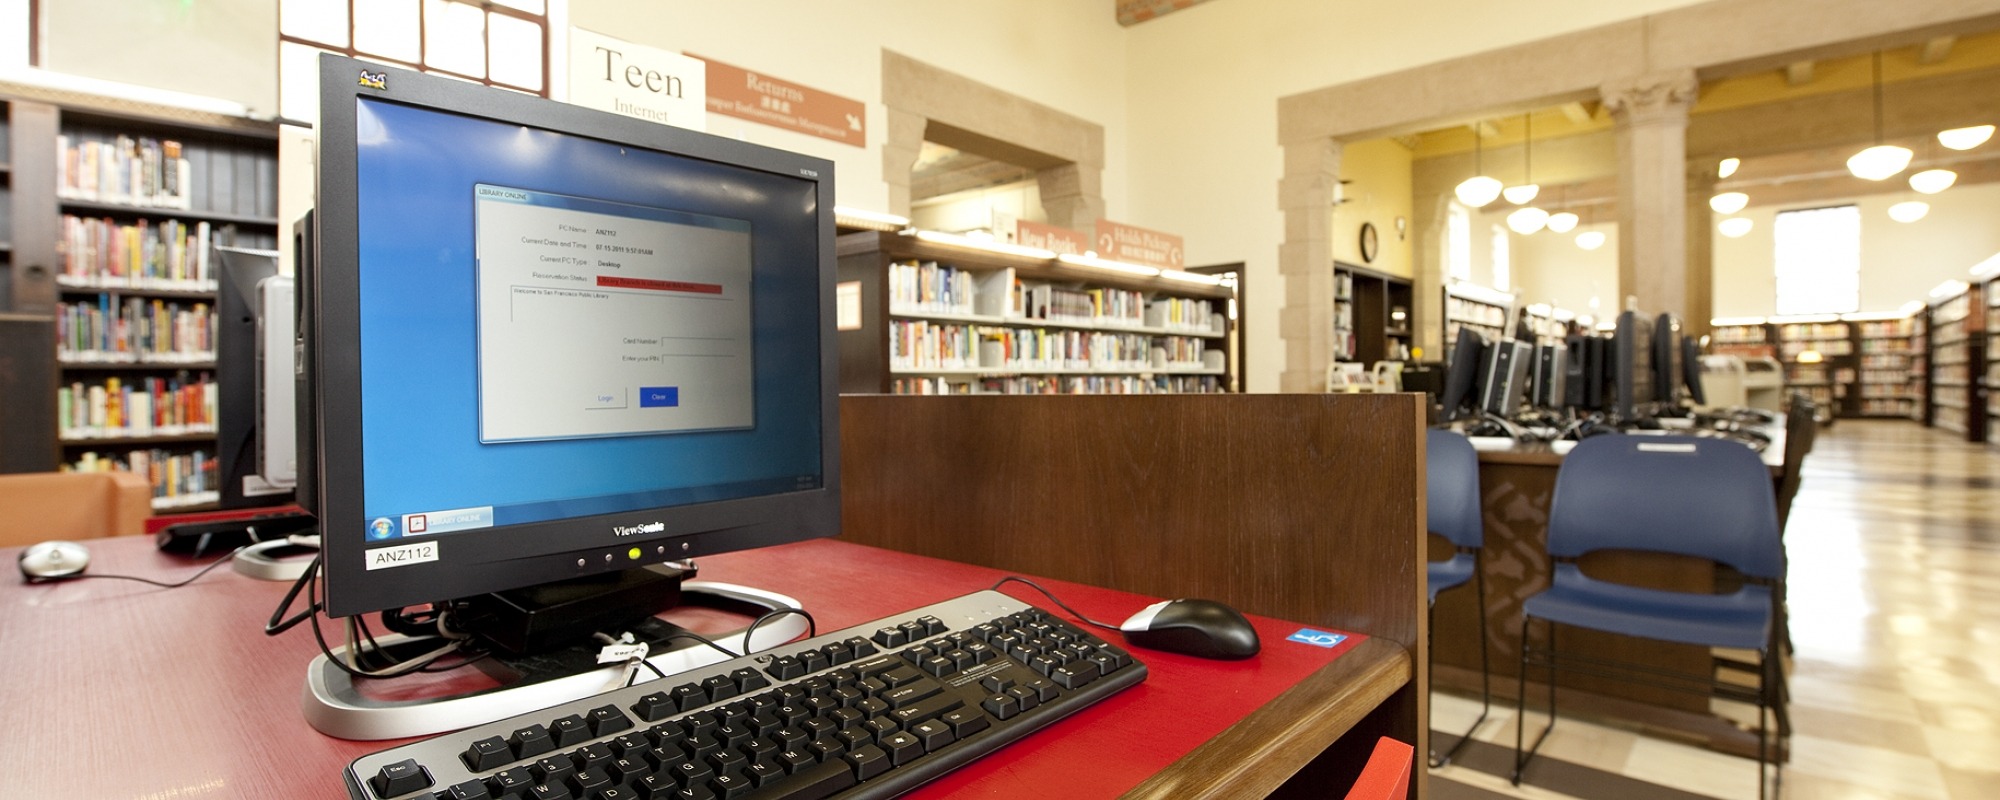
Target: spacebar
point(813, 783)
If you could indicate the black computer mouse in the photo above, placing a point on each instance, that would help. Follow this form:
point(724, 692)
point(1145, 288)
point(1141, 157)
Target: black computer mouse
point(1202, 628)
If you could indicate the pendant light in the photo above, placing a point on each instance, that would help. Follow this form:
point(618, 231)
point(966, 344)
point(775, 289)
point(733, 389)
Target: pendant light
point(1735, 227)
point(1563, 221)
point(1478, 190)
point(1909, 210)
point(1727, 167)
point(1527, 219)
point(1729, 202)
point(1525, 193)
point(1883, 160)
point(1965, 138)
point(1932, 181)
point(1590, 240)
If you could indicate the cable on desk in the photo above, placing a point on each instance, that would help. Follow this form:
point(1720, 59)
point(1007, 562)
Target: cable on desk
point(191, 579)
point(812, 625)
point(1054, 599)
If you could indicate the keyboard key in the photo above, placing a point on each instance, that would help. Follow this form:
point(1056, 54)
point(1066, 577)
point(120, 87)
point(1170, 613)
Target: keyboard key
point(868, 762)
point(469, 790)
point(785, 668)
point(748, 680)
point(719, 687)
point(730, 785)
point(1001, 706)
point(688, 697)
point(655, 707)
point(938, 665)
point(593, 755)
point(510, 781)
point(692, 773)
point(902, 747)
point(861, 647)
point(570, 730)
point(814, 661)
point(402, 777)
point(531, 741)
point(927, 709)
point(617, 793)
point(966, 722)
point(891, 637)
point(815, 782)
point(549, 791)
point(910, 694)
point(552, 769)
point(795, 760)
point(487, 754)
point(1045, 689)
point(588, 781)
point(653, 787)
point(933, 734)
point(607, 720)
point(932, 625)
point(838, 653)
point(1024, 696)
point(764, 774)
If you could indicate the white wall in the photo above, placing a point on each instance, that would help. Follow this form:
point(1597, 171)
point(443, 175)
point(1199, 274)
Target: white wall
point(1899, 262)
point(1064, 54)
point(226, 49)
point(1550, 268)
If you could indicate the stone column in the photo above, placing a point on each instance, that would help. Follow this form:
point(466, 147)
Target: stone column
point(1072, 196)
point(1700, 250)
point(900, 147)
point(1305, 262)
point(1651, 112)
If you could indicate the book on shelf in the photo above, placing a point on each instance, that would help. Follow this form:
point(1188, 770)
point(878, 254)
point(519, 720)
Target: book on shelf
point(154, 406)
point(124, 170)
point(179, 478)
point(165, 255)
point(110, 329)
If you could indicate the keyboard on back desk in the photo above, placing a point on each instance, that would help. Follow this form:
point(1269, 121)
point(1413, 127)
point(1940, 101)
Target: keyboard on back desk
point(870, 711)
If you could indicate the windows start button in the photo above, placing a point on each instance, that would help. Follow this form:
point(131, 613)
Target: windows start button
point(659, 396)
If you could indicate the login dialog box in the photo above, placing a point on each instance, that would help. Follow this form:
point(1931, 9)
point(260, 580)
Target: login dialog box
point(606, 319)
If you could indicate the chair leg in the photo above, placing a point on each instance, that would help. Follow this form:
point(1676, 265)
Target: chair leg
point(1485, 679)
point(1521, 758)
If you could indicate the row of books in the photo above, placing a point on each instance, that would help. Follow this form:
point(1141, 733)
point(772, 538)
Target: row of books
point(122, 169)
point(1473, 311)
point(1884, 329)
point(1180, 313)
point(1738, 334)
point(1886, 346)
point(1884, 376)
point(158, 406)
point(1885, 361)
point(170, 254)
point(1826, 347)
point(929, 286)
point(917, 288)
point(1036, 348)
point(1816, 330)
point(919, 344)
point(133, 329)
point(1881, 407)
point(1083, 384)
point(178, 478)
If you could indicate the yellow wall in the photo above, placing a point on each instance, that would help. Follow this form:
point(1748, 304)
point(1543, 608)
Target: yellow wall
point(1378, 191)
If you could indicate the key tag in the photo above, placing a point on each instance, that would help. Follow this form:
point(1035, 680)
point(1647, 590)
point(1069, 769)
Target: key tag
point(626, 650)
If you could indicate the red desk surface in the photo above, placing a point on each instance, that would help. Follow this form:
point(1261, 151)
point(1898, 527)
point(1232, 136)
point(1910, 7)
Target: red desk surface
point(119, 689)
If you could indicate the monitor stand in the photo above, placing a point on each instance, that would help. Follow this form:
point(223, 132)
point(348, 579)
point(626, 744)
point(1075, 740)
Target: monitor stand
point(333, 705)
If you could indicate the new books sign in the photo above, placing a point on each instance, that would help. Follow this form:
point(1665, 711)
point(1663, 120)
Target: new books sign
point(636, 80)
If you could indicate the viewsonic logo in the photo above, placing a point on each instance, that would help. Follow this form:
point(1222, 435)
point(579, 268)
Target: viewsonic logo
point(635, 530)
point(375, 80)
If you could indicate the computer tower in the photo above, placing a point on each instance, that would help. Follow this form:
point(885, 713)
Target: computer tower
point(1551, 375)
point(1576, 371)
point(1504, 376)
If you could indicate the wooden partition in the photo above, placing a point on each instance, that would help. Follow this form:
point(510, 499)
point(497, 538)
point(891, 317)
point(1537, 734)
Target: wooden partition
point(1304, 507)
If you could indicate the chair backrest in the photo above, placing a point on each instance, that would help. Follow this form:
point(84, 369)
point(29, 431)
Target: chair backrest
point(1700, 497)
point(1386, 776)
point(1451, 489)
point(40, 506)
point(1800, 428)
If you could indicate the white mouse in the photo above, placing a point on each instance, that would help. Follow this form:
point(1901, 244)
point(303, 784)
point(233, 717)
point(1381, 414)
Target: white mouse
point(53, 560)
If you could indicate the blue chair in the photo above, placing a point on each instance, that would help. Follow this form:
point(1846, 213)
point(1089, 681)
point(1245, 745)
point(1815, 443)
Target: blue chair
point(1704, 498)
point(1451, 477)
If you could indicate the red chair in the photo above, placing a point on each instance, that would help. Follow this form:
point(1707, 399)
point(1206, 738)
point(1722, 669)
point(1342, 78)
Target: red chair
point(1387, 775)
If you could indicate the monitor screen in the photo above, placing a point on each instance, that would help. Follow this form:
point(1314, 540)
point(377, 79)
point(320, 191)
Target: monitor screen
point(255, 437)
point(1461, 378)
point(546, 342)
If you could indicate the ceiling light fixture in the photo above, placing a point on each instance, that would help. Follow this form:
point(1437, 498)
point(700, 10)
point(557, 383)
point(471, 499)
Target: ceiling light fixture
point(1527, 220)
point(1478, 190)
point(1883, 160)
point(1735, 227)
point(1932, 181)
point(1729, 202)
point(1562, 221)
point(1590, 240)
point(1728, 167)
point(1965, 138)
point(1909, 210)
point(1525, 193)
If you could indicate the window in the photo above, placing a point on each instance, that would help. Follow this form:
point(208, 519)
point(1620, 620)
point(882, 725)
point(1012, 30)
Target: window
point(502, 43)
point(1458, 243)
point(1818, 260)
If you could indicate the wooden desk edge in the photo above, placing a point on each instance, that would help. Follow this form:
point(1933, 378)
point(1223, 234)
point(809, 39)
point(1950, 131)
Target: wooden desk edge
point(1257, 754)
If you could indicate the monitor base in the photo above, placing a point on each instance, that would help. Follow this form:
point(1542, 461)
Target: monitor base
point(334, 706)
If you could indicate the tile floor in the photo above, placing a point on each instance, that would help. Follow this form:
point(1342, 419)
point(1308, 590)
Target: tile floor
point(1895, 595)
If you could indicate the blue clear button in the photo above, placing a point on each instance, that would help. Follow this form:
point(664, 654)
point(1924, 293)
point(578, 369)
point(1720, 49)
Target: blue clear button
point(659, 396)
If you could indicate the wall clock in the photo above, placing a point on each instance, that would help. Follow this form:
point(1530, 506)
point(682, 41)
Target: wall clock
point(1370, 244)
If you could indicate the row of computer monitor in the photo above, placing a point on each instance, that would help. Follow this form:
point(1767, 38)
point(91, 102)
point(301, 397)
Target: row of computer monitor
point(1644, 368)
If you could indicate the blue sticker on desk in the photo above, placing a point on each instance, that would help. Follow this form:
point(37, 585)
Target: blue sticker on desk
point(1317, 638)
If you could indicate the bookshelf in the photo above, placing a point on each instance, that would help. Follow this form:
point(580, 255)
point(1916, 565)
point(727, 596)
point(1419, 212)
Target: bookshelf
point(1957, 357)
point(1919, 365)
point(1372, 314)
point(1742, 338)
point(1991, 293)
point(1818, 356)
point(1476, 307)
point(1884, 364)
point(1547, 322)
point(124, 215)
point(932, 317)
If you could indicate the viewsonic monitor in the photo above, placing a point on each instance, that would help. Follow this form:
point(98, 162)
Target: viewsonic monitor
point(545, 342)
point(1632, 366)
point(256, 453)
point(1462, 373)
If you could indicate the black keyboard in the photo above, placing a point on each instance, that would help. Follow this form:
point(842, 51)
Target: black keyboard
point(871, 711)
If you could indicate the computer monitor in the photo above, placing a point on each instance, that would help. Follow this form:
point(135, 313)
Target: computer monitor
point(1667, 360)
point(1691, 371)
point(1632, 366)
point(1462, 374)
point(256, 441)
point(544, 342)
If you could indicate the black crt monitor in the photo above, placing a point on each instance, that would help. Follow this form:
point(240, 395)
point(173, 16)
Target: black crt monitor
point(256, 441)
point(1667, 360)
point(1632, 366)
point(1691, 371)
point(546, 344)
point(1461, 377)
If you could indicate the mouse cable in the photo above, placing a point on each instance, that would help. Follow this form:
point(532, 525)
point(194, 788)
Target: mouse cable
point(1054, 599)
point(190, 579)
